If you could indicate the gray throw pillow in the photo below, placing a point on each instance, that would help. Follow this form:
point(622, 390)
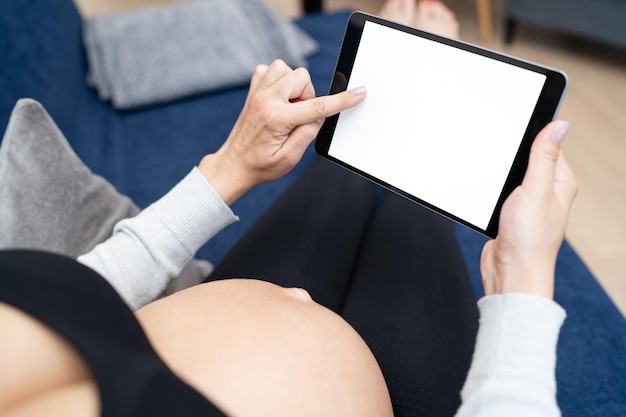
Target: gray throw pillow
point(153, 55)
point(51, 201)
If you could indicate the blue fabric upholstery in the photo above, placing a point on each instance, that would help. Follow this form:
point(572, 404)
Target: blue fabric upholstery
point(144, 153)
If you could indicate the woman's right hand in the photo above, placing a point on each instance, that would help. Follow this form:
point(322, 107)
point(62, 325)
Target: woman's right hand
point(522, 258)
point(280, 118)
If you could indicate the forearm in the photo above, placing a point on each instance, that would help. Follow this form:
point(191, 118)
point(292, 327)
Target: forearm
point(513, 369)
point(149, 250)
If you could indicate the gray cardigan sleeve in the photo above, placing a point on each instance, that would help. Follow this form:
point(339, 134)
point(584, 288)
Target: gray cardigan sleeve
point(147, 251)
point(513, 369)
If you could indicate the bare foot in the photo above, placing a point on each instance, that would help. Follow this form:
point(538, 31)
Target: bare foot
point(401, 11)
point(428, 15)
point(434, 16)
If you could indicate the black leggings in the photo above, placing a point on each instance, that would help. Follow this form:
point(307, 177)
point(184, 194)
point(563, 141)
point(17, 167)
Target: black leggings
point(392, 269)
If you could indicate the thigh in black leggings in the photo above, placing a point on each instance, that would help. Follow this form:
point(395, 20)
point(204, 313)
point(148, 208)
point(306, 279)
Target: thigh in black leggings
point(412, 301)
point(393, 270)
point(309, 238)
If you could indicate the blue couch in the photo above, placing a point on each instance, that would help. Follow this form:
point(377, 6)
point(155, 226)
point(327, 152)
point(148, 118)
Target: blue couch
point(144, 153)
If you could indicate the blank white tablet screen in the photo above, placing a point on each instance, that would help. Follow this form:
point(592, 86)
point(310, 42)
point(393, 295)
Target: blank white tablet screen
point(439, 123)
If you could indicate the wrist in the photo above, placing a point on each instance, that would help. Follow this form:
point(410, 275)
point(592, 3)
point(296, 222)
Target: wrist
point(223, 177)
point(532, 281)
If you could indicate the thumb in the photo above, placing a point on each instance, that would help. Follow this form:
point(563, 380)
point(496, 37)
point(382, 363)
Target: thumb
point(544, 155)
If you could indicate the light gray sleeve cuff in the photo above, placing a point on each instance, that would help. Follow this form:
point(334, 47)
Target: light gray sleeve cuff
point(513, 369)
point(193, 212)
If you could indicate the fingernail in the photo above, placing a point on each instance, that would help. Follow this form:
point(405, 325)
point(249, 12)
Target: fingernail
point(320, 121)
point(559, 132)
point(359, 91)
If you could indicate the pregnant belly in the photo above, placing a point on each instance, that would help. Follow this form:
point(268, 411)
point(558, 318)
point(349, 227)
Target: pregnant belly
point(256, 349)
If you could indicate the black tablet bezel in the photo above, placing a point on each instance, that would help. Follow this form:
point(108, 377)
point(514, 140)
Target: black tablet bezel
point(546, 108)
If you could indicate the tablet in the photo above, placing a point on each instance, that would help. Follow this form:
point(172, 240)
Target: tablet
point(445, 124)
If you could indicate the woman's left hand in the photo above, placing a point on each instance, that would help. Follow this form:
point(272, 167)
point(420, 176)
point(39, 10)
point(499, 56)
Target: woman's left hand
point(280, 118)
point(522, 258)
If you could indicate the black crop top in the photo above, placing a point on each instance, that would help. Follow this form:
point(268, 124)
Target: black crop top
point(83, 308)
